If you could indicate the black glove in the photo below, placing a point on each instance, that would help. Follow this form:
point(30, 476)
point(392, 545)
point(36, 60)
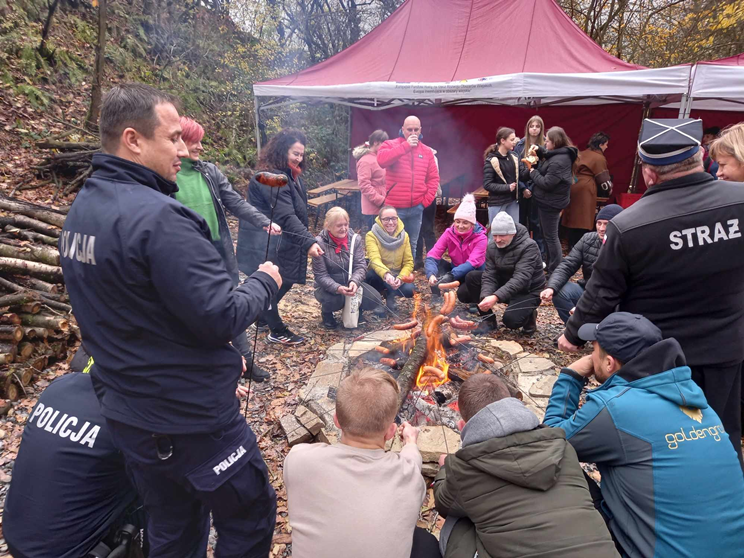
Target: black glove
point(446, 278)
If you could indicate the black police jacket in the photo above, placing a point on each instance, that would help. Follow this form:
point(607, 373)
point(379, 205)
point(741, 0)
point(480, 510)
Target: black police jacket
point(69, 483)
point(154, 301)
point(675, 257)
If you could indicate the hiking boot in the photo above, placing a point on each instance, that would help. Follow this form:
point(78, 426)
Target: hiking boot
point(391, 302)
point(473, 308)
point(487, 325)
point(284, 337)
point(259, 374)
point(380, 311)
point(329, 322)
point(530, 327)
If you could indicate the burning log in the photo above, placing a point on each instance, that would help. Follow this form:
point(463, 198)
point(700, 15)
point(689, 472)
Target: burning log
point(407, 377)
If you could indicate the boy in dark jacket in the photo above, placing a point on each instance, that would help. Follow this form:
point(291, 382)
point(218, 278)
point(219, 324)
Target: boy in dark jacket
point(517, 488)
point(583, 255)
point(513, 275)
point(671, 482)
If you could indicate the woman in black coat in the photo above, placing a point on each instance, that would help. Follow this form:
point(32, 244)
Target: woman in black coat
point(283, 154)
point(552, 180)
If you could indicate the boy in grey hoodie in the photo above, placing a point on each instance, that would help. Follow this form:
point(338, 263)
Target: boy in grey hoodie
point(515, 488)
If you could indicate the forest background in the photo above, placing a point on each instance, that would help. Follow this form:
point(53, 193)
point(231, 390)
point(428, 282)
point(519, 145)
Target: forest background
point(210, 52)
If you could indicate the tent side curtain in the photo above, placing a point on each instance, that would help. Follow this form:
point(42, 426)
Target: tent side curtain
point(663, 84)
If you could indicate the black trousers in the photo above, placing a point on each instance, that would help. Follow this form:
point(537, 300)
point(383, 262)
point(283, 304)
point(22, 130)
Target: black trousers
point(333, 302)
point(272, 317)
point(574, 235)
point(517, 313)
point(550, 222)
point(426, 234)
point(182, 477)
point(425, 545)
point(722, 388)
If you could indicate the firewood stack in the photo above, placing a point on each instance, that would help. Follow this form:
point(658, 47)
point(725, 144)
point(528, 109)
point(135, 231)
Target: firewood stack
point(36, 324)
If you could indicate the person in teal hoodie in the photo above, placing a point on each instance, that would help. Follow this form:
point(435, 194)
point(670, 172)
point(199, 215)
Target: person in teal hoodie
point(671, 483)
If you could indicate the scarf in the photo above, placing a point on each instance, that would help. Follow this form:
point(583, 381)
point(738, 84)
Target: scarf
point(296, 171)
point(390, 243)
point(340, 242)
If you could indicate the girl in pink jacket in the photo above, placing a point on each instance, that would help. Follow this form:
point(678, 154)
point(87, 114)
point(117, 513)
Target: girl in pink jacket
point(371, 176)
point(466, 243)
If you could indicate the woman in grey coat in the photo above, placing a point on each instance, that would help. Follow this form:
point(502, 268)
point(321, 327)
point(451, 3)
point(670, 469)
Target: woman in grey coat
point(332, 280)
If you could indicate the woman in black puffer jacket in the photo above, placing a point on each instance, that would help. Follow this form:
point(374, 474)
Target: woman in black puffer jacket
point(552, 181)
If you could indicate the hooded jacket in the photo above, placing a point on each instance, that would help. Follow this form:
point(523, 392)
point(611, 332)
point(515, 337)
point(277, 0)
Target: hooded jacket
point(498, 172)
point(225, 197)
point(516, 269)
point(553, 177)
point(371, 178)
point(399, 262)
point(671, 480)
point(583, 256)
point(522, 487)
point(412, 175)
point(466, 252)
point(154, 302)
point(288, 251)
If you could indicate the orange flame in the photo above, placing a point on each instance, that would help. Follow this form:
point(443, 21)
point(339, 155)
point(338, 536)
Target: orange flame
point(416, 305)
point(435, 356)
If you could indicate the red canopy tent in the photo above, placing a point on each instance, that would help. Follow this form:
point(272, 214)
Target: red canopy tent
point(470, 66)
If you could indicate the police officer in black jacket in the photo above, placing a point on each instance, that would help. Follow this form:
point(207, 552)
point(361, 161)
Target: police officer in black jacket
point(675, 257)
point(70, 492)
point(157, 309)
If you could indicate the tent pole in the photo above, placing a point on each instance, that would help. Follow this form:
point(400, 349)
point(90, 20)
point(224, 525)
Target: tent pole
point(682, 106)
point(636, 159)
point(258, 125)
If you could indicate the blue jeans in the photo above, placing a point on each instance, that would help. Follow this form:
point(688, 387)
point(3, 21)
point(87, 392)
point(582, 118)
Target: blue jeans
point(411, 217)
point(405, 290)
point(511, 208)
point(566, 299)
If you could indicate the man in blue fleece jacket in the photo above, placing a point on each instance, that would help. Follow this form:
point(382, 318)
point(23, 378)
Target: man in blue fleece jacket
point(671, 484)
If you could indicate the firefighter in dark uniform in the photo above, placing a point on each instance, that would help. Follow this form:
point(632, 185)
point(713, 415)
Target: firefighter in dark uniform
point(70, 494)
point(157, 309)
point(676, 257)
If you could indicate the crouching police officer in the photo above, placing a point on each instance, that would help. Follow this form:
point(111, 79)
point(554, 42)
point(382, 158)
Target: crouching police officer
point(157, 309)
point(70, 495)
point(675, 257)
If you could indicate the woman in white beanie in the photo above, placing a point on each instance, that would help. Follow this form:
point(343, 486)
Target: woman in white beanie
point(466, 243)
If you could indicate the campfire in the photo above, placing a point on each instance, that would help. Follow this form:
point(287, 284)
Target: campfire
point(430, 361)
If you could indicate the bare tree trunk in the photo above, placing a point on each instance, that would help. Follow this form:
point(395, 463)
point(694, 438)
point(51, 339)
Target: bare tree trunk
point(47, 28)
point(91, 121)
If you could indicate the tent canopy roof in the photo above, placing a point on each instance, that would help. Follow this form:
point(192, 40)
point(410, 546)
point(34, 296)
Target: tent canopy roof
point(452, 40)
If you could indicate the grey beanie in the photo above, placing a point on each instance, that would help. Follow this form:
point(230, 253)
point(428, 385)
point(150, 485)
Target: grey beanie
point(503, 224)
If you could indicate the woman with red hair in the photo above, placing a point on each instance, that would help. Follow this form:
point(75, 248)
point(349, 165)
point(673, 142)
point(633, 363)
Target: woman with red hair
point(205, 190)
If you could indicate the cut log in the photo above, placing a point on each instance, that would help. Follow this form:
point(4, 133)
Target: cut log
point(57, 305)
point(37, 285)
point(12, 333)
point(10, 318)
point(25, 350)
point(17, 299)
point(31, 235)
point(23, 222)
point(12, 392)
point(35, 332)
point(43, 271)
point(9, 349)
point(41, 320)
point(38, 363)
point(68, 145)
point(45, 215)
point(6, 358)
point(22, 374)
point(41, 254)
point(30, 308)
point(408, 373)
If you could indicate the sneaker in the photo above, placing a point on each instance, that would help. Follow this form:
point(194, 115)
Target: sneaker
point(259, 374)
point(530, 327)
point(260, 325)
point(285, 337)
point(486, 326)
point(329, 322)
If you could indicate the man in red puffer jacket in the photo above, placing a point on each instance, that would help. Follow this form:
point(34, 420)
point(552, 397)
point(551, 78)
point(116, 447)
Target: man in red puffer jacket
point(412, 176)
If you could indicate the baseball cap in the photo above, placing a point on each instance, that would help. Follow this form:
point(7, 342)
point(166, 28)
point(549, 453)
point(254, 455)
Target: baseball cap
point(622, 335)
